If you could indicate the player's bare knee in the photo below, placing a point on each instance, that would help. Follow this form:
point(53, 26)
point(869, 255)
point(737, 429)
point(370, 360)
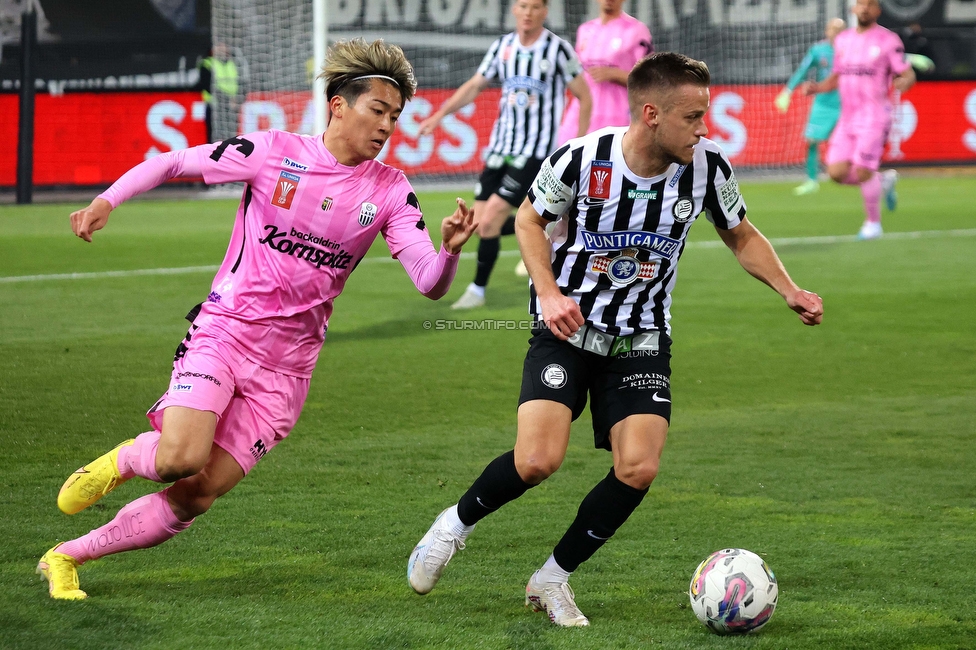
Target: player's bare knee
point(535, 469)
point(174, 466)
point(638, 476)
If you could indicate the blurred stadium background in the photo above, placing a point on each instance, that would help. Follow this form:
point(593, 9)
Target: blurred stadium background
point(117, 81)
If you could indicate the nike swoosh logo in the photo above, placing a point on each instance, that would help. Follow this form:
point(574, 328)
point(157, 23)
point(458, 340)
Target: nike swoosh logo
point(659, 399)
point(602, 539)
point(481, 503)
point(591, 201)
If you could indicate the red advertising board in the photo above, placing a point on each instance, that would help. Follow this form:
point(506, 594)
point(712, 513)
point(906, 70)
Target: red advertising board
point(93, 138)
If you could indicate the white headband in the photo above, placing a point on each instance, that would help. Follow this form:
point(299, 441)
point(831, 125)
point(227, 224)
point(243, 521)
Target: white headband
point(330, 93)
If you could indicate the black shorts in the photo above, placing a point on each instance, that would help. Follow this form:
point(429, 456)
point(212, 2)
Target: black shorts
point(510, 177)
point(630, 383)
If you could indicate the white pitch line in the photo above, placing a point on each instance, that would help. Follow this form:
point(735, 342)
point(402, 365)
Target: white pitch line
point(711, 243)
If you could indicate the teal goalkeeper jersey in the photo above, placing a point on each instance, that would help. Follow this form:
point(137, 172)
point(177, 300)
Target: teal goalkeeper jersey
point(819, 60)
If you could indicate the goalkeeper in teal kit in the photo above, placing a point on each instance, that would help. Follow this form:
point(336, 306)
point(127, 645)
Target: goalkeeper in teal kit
point(826, 106)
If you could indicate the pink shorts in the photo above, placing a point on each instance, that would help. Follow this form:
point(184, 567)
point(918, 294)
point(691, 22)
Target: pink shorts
point(256, 408)
point(860, 145)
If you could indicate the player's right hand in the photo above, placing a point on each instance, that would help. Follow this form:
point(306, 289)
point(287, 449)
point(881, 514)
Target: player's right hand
point(562, 314)
point(782, 100)
point(86, 221)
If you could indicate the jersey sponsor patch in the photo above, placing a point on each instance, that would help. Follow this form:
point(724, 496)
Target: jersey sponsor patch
point(641, 195)
point(601, 175)
point(623, 239)
point(294, 165)
point(285, 190)
point(551, 190)
point(625, 268)
point(729, 194)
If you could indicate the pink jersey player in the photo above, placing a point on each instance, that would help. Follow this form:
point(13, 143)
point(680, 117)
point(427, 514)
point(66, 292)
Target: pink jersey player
point(608, 47)
point(868, 61)
point(311, 208)
point(865, 63)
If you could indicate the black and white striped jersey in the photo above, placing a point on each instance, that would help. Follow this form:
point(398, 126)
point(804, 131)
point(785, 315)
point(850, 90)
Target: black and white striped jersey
point(533, 95)
point(618, 236)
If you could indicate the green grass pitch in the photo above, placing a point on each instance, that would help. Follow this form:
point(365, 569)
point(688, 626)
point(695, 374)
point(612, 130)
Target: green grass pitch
point(844, 454)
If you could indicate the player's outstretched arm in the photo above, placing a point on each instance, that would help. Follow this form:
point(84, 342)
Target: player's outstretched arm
point(757, 257)
point(560, 313)
point(144, 176)
point(463, 96)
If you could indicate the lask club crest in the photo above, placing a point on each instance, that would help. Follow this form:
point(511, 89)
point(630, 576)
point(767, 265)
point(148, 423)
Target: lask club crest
point(366, 214)
point(625, 268)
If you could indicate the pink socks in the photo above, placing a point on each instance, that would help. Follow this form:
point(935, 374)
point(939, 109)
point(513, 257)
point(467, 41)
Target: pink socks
point(145, 522)
point(871, 191)
point(139, 458)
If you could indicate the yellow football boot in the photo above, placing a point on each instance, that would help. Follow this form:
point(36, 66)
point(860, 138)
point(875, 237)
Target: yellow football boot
point(61, 572)
point(91, 482)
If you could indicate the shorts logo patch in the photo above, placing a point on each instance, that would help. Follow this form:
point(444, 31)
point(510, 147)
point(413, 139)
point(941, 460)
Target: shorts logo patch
point(682, 209)
point(366, 214)
point(258, 450)
point(554, 376)
point(181, 388)
point(285, 190)
point(601, 175)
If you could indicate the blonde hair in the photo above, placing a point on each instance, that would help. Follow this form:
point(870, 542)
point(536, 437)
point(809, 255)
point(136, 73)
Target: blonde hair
point(350, 65)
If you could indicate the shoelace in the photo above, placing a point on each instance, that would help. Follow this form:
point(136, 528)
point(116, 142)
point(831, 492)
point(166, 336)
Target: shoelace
point(442, 549)
point(564, 600)
point(61, 570)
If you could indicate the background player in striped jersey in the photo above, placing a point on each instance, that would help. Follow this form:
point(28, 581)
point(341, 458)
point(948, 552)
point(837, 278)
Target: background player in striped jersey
point(623, 200)
point(534, 67)
point(311, 208)
point(608, 47)
point(868, 61)
point(819, 60)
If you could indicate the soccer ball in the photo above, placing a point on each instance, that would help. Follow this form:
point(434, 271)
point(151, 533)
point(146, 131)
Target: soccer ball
point(733, 592)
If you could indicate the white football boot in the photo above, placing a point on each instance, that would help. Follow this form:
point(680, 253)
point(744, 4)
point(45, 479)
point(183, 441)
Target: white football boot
point(870, 230)
point(431, 555)
point(555, 599)
point(470, 299)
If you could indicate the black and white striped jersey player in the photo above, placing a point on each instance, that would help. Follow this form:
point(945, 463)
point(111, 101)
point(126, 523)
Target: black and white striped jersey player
point(622, 200)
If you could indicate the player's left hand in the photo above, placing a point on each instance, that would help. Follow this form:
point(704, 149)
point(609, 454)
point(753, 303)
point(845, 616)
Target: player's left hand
point(808, 305)
point(458, 228)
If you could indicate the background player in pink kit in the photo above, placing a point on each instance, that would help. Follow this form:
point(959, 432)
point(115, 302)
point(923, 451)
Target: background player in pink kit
point(608, 47)
point(868, 60)
point(311, 208)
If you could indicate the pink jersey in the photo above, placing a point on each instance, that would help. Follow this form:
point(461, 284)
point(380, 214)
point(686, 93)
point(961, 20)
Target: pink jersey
point(304, 223)
point(865, 64)
point(620, 43)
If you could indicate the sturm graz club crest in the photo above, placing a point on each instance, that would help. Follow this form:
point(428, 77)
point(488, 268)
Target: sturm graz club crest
point(682, 209)
point(554, 376)
point(367, 214)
